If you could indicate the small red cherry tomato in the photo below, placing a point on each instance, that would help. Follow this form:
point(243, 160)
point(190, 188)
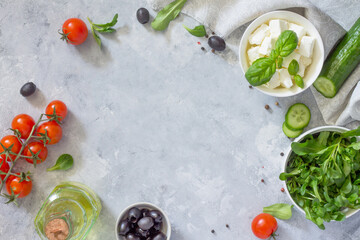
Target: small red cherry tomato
point(7, 141)
point(35, 147)
point(53, 131)
point(74, 31)
point(24, 124)
point(60, 109)
point(4, 167)
point(22, 188)
point(264, 225)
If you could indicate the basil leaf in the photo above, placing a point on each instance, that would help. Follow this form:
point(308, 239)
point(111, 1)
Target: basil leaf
point(279, 210)
point(286, 43)
point(64, 162)
point(260, 71)
point(299, 81)
point(293, 67)
point(167, 14)
point(280, 62)
point(198, 31)
point(110, 24)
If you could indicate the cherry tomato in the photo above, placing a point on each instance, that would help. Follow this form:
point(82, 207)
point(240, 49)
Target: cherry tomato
point(53, 130)
point(60, 109)
point(74, 31)
point(7, 141)
point(22, 188)
point(4, 167)
point(24, 124)
point(264, 225)
point(36, 147)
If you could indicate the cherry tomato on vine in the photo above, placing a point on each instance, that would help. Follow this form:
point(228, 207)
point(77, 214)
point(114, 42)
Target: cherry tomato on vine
point(24, 123)
point(36, 147)
point(53, 130)
point(74, 31)
point(22, 188)
point(4, 167)
point(60, 109)
point(7, 141)
point(264, 225)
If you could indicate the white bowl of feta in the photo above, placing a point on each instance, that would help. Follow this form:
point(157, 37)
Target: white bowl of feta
point(259, 39)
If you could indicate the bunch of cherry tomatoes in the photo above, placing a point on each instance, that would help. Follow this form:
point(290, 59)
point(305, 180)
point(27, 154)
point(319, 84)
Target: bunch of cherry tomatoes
point(29, 142)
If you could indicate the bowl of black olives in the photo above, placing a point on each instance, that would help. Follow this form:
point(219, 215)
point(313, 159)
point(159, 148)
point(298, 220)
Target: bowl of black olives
point(143, 221)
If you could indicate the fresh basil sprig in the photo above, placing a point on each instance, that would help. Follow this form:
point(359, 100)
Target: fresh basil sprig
point(293, 69)
point(263, 69)
point(198, 31)
point(167, 14)
point(64, 162)
point(102, 28)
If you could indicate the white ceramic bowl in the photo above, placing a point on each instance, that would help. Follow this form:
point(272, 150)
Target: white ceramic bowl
point(312, 71)
point(348, 212)
point(166, 226)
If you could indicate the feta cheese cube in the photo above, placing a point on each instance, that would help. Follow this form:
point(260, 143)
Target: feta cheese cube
point(299, 30)
point(277, 26)
point(274, 81)
point(267, 45)
point(305, 60)
point(289, 58)
point(259, 34)
point(306, 46)
point(253, 54)
point(285, 78)
point(302, 69)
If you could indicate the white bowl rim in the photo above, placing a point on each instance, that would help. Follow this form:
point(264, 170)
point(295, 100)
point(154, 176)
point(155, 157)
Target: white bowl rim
point(150, 205)
point(258, 21)
point(289, 151)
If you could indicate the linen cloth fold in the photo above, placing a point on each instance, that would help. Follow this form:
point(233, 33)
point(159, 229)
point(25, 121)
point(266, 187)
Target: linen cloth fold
point(332, 18)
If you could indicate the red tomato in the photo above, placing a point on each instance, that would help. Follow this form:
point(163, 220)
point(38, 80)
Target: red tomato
point(53, 130)
point(7, 141)
point(4, 167)
point(22, 188)
point(60, 109)
point(74, 31)
point(264, 225)
point(24, 124)
point(36, 147)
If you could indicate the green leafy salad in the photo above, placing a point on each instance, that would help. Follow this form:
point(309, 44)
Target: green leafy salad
point(323, 175)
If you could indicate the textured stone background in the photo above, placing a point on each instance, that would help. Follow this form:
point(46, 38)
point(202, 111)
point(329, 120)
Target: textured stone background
point(152, 118)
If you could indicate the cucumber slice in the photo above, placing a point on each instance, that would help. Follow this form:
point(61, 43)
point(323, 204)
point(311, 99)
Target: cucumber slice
point(326, 87)
point(297, 117)
point(290, 133)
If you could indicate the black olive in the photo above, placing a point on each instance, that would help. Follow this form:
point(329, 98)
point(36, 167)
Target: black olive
point(143, 233)
point(143, 15)
point(156, 215)
point(145, 212)
point(134, 214)
point(146, 223)
point(132, 236)
point(217, 43)
point(124, 227)
point(159, 236)
point(27, 89)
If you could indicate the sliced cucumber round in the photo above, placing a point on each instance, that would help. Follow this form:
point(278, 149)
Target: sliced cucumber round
point(290, 133)
point(297, 117)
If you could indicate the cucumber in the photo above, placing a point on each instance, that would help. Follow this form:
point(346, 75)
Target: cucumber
point(297, 117)
point(290, 133)
point(340, 63)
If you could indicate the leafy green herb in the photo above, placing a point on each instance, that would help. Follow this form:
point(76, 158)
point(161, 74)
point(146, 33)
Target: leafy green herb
point(323, 175)
point(102, 28)
point(167, 14)
point(286, 43)
point(299, 81)
point(64, 162)
point(198, 31)
point(293, 67)
point(263, 69)
point(260, 71)
point(279, 210)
